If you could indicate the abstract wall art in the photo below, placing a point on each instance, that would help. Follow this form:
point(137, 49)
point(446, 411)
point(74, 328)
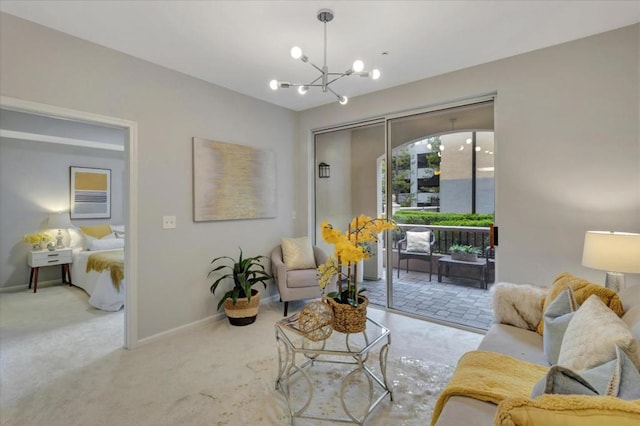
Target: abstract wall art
point(232, 181)
point(90, 196)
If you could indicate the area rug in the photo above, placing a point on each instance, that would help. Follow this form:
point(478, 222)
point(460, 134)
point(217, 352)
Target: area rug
point(415, 383)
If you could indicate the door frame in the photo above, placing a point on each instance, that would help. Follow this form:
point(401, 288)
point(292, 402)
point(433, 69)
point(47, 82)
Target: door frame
point(131, 196)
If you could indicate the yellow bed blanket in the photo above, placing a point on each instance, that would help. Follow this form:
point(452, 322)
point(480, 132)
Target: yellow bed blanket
point(112, 260)
point(491, 377)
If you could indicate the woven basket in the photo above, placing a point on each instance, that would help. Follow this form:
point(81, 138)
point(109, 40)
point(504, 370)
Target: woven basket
point(244, 312)
point(346, 318)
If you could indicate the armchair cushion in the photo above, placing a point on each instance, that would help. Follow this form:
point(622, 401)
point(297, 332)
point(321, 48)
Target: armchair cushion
point(419, 242)
point(297, 253)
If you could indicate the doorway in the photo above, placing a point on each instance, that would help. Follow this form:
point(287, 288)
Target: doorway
point(130, 338)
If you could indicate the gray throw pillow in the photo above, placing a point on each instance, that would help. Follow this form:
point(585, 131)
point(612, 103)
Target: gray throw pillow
point(619, 378)
point(556, 320)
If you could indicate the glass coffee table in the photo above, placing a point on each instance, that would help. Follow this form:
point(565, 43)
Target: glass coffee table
point(330, 379)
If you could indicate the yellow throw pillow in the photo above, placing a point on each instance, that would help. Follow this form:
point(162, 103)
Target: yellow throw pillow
point(297, 253)
point(567, 410)
point(96, 231)
point(582, 289)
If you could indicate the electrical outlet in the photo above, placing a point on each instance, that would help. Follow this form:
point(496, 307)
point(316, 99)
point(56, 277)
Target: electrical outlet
point(168, 222)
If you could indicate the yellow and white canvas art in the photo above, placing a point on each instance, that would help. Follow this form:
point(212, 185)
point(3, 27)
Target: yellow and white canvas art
point(232, 181)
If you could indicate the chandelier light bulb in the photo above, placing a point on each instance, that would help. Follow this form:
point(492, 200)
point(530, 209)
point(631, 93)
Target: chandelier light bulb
point(429, 146)
point(296, 52)
point(273, 84)
point(461, 148)
point(303, 89)
point(357, 66)
point(478, 148)
point(375, 74)
point(441, 147)
point(468, 141)
point(343, 100)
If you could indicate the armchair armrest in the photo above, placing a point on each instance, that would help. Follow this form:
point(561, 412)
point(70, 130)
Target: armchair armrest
point(278, 268)
point(519, 305)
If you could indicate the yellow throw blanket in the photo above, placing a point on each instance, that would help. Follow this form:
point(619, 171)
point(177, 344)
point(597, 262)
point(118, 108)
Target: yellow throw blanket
point(112, 260)
point(491, 377)
point(568, 410)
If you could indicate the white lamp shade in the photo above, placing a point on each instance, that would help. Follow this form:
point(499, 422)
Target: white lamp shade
point(612, 251)
point(59, 220)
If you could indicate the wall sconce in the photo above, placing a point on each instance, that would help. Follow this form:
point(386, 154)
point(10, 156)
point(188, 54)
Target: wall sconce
point(324, 170)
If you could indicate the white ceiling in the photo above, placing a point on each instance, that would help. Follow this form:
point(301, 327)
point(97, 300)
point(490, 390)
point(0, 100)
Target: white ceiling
point(242, 45)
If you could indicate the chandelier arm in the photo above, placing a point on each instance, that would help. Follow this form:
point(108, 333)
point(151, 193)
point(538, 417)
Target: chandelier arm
point(337, 78)
point(315, 66)
point(331, 90)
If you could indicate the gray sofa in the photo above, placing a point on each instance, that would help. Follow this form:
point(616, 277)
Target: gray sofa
point(523, 344)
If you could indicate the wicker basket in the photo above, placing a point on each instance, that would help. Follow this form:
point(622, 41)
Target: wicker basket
point(346, 318)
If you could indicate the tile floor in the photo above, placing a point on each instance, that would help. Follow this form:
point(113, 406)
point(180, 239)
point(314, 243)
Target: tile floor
point(458, 301)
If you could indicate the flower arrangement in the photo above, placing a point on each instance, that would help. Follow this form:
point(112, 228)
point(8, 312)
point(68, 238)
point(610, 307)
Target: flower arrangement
point(351, 246)
point(37, 238)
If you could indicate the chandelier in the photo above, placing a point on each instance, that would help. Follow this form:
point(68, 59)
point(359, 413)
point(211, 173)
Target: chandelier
point(326, 78)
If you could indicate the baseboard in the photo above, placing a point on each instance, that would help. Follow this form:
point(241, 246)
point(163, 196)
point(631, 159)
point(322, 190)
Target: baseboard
point(186, 327)
point(23, 287)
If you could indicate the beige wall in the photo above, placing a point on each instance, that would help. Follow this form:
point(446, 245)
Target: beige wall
point(567, 153)
point(42, 65)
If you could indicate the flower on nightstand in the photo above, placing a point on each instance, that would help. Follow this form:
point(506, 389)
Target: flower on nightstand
point(37, 238)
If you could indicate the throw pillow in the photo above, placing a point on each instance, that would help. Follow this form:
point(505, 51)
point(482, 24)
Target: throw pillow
point(592, 335)
point(106, 244)
point(556, 320)
point(619, 378)
point(96, 231)
point(89, 242)
point(582, 289)
point(517, 304)
point(297, 253)
point(419, 241)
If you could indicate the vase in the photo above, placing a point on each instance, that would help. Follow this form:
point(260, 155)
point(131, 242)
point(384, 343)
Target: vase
point(347, 318)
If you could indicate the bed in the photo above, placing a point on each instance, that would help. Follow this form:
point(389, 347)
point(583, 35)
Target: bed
point(102, 292)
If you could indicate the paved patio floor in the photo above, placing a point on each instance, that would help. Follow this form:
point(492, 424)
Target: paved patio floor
point(454, 300)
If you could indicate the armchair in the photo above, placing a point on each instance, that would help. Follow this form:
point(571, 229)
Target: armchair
point(296, 284)
point(417, 245)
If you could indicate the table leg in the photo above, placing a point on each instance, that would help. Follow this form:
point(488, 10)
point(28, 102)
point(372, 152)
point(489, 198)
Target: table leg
point(439, 272)
point(66, 274)
point(31, 277)
point(35, 279)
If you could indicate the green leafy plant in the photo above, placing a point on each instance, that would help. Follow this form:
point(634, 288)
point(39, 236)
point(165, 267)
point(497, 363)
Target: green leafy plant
point(245, 272)
point(463, 248)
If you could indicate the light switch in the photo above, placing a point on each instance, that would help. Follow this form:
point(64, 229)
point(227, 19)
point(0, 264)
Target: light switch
point(168, 222)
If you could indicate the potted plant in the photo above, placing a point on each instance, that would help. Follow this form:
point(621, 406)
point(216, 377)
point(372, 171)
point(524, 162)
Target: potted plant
point(464, 252)
point(348, 304)
point(242, 301)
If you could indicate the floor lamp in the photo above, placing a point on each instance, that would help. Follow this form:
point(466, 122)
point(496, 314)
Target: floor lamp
point(615, 252)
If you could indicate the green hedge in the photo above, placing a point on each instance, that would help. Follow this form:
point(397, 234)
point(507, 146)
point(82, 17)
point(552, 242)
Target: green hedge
point(442, 219)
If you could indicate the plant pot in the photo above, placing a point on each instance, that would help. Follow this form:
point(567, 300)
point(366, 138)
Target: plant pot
point(465, 257)
point(244, 312)
point(346, 318)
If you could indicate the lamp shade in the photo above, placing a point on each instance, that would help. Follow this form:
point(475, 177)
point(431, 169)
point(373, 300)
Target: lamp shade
point(612, 251)
point(59, 220)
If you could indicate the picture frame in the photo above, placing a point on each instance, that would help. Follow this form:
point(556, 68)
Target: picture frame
point(90, 193)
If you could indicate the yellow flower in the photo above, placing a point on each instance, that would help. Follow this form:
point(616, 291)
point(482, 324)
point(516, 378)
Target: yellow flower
point(37, 238)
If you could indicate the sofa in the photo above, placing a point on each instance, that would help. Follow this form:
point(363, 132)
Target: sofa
point(520, 313)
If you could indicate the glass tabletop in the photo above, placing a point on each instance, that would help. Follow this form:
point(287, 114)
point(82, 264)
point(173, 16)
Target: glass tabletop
point(346, 344)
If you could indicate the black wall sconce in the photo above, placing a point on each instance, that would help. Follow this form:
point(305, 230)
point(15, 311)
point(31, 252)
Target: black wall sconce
point(324, 170)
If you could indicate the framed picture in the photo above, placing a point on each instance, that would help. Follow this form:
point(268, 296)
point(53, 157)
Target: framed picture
point(90, 196)
point(232, 181)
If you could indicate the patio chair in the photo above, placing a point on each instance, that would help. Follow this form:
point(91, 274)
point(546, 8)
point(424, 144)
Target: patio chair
point(416, 245)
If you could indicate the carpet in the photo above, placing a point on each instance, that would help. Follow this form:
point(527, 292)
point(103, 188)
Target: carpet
point(415, 383)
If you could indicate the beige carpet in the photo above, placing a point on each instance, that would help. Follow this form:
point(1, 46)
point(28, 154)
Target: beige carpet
point(61, 363)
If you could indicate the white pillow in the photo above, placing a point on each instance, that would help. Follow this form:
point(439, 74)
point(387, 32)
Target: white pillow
point(419, 241)
point(592, 335)
point(118, 228)
point(106, 244)
point(76, 238)
point(89, 240)
point(297, 253)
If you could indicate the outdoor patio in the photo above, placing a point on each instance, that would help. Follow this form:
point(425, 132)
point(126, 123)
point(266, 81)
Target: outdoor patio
point(454, 300)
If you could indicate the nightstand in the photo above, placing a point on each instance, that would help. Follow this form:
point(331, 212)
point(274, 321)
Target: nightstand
point(42, 258)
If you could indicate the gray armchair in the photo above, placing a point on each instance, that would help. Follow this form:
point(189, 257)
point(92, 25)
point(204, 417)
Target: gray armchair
point(296, 284)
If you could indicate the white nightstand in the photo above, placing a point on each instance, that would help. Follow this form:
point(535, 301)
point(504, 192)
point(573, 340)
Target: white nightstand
point(41, 258)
